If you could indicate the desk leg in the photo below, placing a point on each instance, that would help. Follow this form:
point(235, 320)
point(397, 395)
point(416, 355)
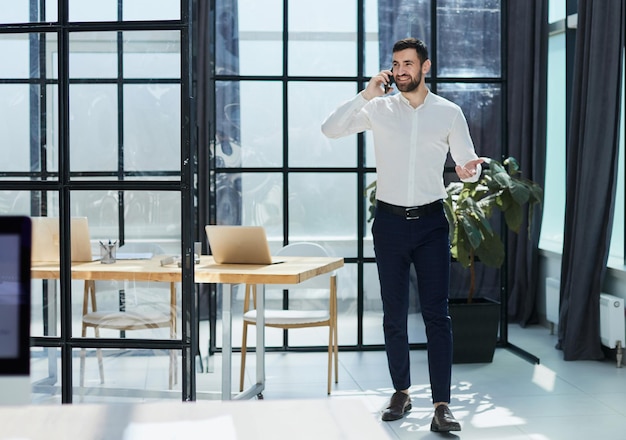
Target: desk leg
point(260, 337)
point(227, 348)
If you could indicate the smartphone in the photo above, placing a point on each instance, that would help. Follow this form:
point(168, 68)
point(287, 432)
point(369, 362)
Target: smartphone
point(390, 83)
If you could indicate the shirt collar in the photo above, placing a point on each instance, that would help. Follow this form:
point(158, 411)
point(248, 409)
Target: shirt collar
point(426, 99)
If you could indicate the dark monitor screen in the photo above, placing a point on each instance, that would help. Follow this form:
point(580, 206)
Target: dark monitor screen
point(15, 245)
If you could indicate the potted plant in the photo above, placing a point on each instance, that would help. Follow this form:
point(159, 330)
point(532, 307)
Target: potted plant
point(469, 208)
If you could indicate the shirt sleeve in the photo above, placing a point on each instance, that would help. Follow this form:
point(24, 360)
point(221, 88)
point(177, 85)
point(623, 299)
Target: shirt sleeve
point(348, 118)
point(461, 145)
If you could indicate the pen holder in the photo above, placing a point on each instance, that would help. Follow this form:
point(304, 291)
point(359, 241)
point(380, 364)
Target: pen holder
point(107, 253)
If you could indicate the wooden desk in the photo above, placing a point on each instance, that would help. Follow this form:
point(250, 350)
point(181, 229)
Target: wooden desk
point(344, 418)
point(292, 270)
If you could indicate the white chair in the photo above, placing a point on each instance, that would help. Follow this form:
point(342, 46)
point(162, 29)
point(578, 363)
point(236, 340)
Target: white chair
point(150, 315)
point(292, 319)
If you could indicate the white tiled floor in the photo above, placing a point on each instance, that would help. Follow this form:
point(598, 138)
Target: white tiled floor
point(508, 399)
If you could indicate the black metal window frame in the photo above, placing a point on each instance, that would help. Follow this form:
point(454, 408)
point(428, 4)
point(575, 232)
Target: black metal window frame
point(64, 182)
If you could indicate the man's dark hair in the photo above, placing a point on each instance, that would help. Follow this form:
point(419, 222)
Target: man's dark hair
point(412, 43)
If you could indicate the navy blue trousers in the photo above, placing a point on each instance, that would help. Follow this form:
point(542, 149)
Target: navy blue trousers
point(423, 242)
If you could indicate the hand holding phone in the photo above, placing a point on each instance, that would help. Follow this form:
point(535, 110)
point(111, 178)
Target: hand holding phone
point(389, 85)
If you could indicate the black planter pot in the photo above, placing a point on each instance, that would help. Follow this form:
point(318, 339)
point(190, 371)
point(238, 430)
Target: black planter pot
point(474, 330)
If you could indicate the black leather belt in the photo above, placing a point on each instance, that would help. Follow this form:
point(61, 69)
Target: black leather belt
point(413, 212)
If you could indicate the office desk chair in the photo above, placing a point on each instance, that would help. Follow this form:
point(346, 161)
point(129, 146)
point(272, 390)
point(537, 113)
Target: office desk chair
point(147, 314)
point(292, 319)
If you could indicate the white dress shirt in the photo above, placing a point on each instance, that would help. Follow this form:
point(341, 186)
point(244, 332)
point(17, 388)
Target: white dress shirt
point(410, 144)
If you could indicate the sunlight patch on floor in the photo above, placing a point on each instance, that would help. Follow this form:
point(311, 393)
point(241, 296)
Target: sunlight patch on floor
point(544, 377)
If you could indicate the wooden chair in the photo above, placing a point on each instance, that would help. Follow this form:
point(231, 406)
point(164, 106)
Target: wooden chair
point(128, 320)
point(293, 319)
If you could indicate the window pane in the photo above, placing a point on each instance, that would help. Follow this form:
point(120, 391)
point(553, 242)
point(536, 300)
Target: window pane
point(261, 37)
point(130, 375)
point(259, 118)
point(93, 127)
point(262, 204)
point(15, 129)
point(52, 128)
point(27, 11)
point(372, 306)
point(482, 106)
point(372, 66)
point(309, 104)
point(616, 251)
point(468, 38)
point(152, 127)
point(151, 10)
point(556, 10)
point(102, 10)
point(398, 20)
point(153, 54)
point(315, 215)
point(150, 217)
point(368, 244)
point(554, 191)
point(24, 52)
point(322, 42)
point(93, 55)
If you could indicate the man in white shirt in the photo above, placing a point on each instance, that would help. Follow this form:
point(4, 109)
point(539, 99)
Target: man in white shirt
point(413, 132)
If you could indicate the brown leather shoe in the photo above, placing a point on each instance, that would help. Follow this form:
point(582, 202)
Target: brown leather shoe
point(444, 421)
point(399, 404)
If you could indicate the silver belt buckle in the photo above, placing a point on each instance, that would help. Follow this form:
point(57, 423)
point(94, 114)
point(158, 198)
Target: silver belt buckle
point(412, 213)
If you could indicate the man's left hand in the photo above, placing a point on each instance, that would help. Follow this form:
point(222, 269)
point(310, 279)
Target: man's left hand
point(468, 170)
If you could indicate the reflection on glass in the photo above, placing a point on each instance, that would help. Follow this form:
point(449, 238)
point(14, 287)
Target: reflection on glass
point(468, 38)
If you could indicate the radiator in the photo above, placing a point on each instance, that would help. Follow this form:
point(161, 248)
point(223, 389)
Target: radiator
point(612, 319)
point(552, 302)
point(612, 327)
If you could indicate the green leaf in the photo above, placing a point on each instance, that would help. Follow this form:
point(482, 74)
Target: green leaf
point(520, 192)
point(491, 251)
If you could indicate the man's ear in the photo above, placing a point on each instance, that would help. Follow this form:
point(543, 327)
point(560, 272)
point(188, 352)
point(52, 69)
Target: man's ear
point(426, 66)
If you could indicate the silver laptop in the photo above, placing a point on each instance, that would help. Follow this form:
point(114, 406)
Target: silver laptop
point(239, 244)
point(46, 239)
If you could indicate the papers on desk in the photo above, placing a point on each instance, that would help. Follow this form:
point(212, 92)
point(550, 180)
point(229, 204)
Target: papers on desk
point(134, 255)
point(222, 427)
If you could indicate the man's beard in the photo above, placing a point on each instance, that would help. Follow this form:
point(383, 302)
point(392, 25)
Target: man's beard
point(414, 84)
